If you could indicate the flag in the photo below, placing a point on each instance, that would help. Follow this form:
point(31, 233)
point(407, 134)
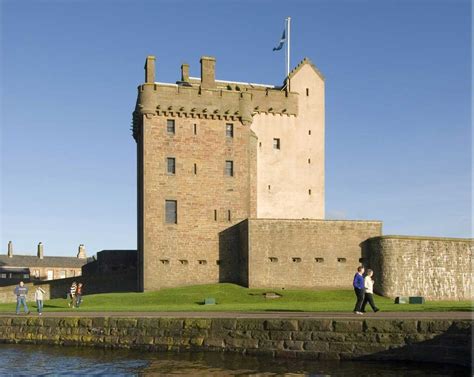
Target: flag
point(282, 42)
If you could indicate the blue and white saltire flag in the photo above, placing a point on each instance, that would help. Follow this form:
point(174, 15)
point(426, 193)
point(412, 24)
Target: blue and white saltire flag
point(282, 41)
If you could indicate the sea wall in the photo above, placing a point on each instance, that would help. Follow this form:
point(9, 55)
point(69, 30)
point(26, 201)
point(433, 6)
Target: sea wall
point(440, 341)
point(433, 267)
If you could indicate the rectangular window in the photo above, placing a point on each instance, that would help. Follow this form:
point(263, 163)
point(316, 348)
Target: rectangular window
point(3, 276)
point(171, 212)
point(171, 165)
point(229, 130)
point(62, 274)
point(276, 143)
point(229, 168)
point(170, 126)
point(195, 129)
point(50, 275)
point(26, 276)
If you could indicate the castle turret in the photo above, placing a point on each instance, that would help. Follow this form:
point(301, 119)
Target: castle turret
point(10, 249)
point(40, 252)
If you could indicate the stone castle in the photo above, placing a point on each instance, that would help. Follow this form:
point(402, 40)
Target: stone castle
point(231, 186)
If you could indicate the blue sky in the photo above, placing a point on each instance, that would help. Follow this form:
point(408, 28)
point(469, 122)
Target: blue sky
point(398, 106)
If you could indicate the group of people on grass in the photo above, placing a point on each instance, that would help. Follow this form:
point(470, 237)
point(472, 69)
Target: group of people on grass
point(74, 295)
point(364, 290)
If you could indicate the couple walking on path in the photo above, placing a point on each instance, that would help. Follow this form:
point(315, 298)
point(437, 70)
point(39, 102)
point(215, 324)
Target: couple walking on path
point(75, 295)
point(21, 291)
point(364, 290)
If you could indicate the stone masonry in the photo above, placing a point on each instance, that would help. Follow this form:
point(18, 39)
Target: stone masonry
point(438, 341)
point(433, 267)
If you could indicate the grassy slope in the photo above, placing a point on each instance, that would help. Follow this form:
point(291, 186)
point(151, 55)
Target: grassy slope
point(235, 298)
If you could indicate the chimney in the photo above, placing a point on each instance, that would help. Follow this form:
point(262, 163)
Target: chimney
point(185, 72)
point(40, 250)
point(10, 249)
point(150, 69)
point(208, 74)
point(81, 253)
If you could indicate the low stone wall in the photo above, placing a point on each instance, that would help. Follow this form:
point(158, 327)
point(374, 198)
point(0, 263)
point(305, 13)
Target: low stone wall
point(433, 267)
point(306, 253)
point(104, 283)
point(440, 341)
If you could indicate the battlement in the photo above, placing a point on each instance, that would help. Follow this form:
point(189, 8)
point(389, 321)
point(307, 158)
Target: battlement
point(207, 97)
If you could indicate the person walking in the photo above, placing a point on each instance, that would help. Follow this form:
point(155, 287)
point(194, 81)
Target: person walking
point(369, 292)
point(39, 299)
point(79, 294)
point(358, 285)
point(21, 291)
point(72, 294)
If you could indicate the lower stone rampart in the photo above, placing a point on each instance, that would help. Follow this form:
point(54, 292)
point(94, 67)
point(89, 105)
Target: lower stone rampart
point(439, 341)
point(433, 267)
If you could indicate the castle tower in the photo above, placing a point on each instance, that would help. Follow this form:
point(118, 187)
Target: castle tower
point(212, 153)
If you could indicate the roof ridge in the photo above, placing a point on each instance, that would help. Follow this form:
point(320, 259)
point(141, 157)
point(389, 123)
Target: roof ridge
point(305, 60)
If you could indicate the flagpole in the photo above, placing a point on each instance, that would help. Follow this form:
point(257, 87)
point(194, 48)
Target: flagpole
point(288, 47)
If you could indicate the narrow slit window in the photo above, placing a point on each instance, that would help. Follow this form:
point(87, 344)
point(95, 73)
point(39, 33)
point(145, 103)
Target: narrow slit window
point(309, 161)
point(215, 215)
point(319, 260)
point(307, 91)
point(171, 209)
point(170, 126)
point(260, 144)
point(195, 129)
point(276, 143)
point(273, 259)
point(341, 260)
point(202, 261)
point(309, 192)
point(228, 215)
point(296, 260)
point(171, 165)
point(183, 261)
point(309, 132)
point(229, 130)
point(229, 168)
point(269, 187)
point(195, 169)
point(165, 261)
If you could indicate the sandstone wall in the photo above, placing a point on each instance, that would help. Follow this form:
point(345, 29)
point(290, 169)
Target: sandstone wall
point(436, 268)
point(291, 179)
point(104, 283)
point(439, 341)
point(208, 200)
point(306, 253)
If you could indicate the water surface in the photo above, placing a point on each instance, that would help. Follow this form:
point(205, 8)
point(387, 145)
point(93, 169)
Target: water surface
point(77, 361)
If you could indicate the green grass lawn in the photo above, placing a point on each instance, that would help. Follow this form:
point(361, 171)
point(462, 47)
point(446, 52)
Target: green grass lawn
point(232, 297)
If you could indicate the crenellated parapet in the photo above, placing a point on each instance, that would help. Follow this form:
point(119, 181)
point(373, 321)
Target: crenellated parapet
point(208, 98)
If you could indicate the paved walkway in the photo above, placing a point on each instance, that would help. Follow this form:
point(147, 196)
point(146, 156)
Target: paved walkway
point(263, 315)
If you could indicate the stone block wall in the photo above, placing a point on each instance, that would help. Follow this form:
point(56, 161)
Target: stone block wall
point(438, 341)
point(208, 200)
point(306, 253)
point(436, 268)
point(104, 283)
